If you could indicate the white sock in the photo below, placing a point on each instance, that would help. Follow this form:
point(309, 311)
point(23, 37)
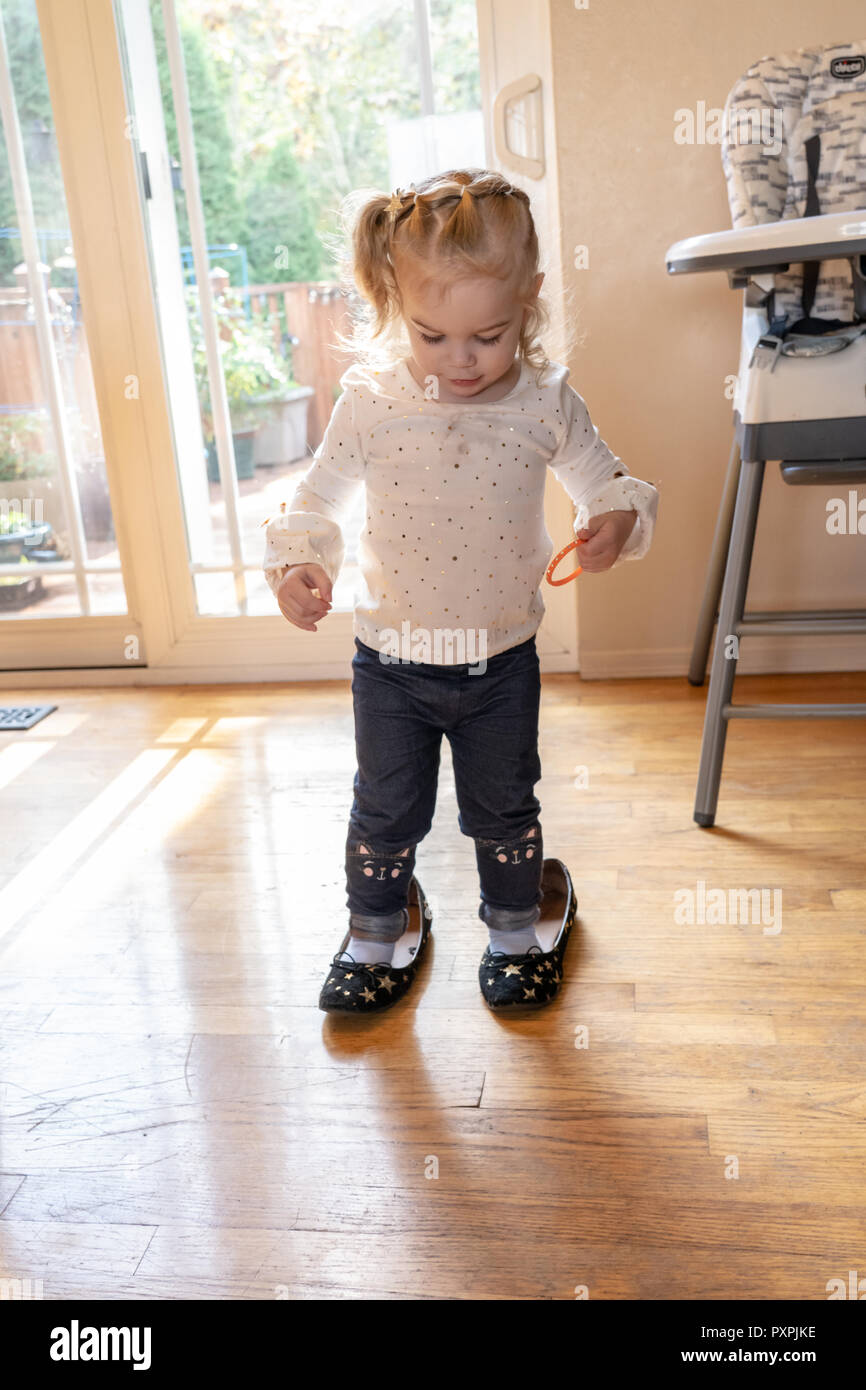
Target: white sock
point(513, 943)
point(370, 952)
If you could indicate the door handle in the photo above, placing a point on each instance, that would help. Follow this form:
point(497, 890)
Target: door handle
point(526, 115)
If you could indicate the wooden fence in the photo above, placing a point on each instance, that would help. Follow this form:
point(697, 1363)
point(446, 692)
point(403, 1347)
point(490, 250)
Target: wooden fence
point(21, 383)
point(313, 312)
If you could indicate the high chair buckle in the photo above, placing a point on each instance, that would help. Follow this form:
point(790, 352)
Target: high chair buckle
point(766, 353)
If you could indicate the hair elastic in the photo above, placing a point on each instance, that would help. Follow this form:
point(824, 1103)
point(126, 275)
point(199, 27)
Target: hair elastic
point(572, 545)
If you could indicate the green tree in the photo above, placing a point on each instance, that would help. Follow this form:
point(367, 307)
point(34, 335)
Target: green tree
point(214, 145)
point(331, 78)
point(279, 215)
point(290, 107)
point(35, 116)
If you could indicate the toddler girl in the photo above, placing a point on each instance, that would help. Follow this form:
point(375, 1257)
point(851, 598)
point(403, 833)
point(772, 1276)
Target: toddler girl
point(452, 437)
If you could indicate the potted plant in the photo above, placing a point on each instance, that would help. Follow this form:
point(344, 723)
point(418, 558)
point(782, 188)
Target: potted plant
point(27, 471)
point(255, 380)
point(282, 435)
point(22, 453)
point(29, 544)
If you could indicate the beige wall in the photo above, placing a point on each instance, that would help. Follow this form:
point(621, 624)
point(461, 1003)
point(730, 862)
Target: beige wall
point(657, 349)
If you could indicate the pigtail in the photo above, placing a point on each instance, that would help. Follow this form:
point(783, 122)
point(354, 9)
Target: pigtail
point(372, 265)
point(364, 254)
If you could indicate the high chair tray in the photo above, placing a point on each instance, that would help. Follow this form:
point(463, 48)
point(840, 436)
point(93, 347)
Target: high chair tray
point(772, 245)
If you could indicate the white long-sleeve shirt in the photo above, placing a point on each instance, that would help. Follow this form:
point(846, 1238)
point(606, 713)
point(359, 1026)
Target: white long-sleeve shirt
point(455, 536)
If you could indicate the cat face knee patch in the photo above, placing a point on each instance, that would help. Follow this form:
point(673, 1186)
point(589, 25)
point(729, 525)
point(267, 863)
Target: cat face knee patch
point(514, 852)
point(380, 865)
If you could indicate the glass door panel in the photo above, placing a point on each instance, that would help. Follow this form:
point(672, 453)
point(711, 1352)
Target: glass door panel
point(58, 549)
point(253, 124)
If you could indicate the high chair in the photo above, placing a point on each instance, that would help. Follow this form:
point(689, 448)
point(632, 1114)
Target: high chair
point(794, 157)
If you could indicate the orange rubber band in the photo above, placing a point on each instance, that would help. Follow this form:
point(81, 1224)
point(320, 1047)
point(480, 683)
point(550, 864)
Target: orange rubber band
point(572, 545)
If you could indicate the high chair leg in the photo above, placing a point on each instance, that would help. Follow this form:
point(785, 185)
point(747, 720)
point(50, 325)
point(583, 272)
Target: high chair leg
point(725, 665)
point(715, 570)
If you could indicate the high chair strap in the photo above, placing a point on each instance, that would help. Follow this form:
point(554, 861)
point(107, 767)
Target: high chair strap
point(812, 209)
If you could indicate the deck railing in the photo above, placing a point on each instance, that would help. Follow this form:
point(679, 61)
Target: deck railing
point(313, 312)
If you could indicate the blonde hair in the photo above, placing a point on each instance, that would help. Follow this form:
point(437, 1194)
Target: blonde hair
point(462, 222)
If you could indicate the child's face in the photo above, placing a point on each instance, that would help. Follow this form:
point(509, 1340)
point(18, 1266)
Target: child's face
point(464, 332)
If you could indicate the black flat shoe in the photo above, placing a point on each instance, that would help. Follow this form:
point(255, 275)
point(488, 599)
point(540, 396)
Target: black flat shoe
point(532, 980)
point(362, 989)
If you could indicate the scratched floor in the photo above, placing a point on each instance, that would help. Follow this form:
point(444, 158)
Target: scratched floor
point(180, 1121)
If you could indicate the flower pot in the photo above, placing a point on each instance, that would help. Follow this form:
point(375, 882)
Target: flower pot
point(282, 436)
point(24, 547)
point(20, 593)
point(245, 467)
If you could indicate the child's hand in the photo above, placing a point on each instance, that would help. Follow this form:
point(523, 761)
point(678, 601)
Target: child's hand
point(605, 537)
point(297, 601)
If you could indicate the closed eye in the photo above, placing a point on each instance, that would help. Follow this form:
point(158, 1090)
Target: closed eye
point(438, 339)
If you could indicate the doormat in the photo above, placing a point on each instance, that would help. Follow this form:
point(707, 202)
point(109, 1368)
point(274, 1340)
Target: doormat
point(24, 717)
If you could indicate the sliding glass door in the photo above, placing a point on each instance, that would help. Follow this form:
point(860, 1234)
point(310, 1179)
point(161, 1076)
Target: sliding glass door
point(170, 187)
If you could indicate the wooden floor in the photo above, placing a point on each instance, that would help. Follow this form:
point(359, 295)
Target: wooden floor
point(180, 1121)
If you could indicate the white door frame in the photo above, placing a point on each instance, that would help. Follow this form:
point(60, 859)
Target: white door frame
point(513, 41)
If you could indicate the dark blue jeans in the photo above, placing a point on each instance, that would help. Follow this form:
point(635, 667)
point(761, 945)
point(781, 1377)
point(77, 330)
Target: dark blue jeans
point(490, 719)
